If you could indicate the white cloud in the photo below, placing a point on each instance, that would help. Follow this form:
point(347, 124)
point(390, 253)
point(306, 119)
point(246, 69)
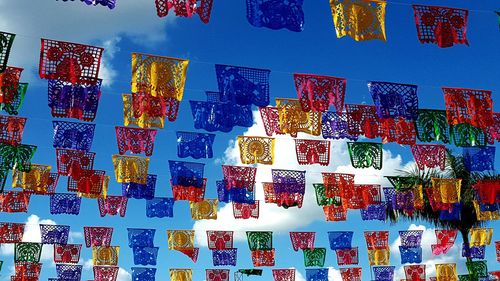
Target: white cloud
point(76, 22)
point(123, 275)
point(334, 274)
point(273, 217)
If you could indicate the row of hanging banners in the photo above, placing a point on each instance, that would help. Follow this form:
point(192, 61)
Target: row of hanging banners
point(359, 19)
point(157, 90)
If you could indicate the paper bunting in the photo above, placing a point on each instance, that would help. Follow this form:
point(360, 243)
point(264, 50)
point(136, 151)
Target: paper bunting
point(73, 135)
point(65, 203)
point(411, 238)
point(105, 255)
point(11, 232)
point(220, 116)
point(135, 140)
point(379, 256)
point(263, 257)
point(89, 182)
point(284, 274)
point(112, 205)
point(97, 236)
point(314, 257)
point(384, 273)
point(107, 272)
point(224, 257)
point(453, 214)
point(256, 150)
point(186, 173)
point(470, 106)
point(106, 3)
point(269, 194)
point(158, 76)
point(185, 8)
point(432, 125)
point(14, 202)
point(54, 234)
point(17, 157)
point(145, 106)
point(289, 186)
point(27, 252)
point(488, 191)
point(140, 191)
point(302, 240)
point(317, 92)
point(479, 158)
point(336, 184)
point(204, 210)
point(335, 213)
point(143, 120)
point(67, 253)
point(72, 162)
point(446, 271)
point(219, 240)
point(365, 154)
point(189, 193)
point(145, 255)
point(239, 177)
point(9, 84)
point(374, 212)
point(196, 145)
point(317, 274)
point(235, 195)
point(410, 254)
point(465, 135)
point(334, 126)
point(493, 132)
point(477, 269)
point(181, 274)
point(321, 198)
point(446, 190)
point(143, 274)
point(485, 215)
point(130, 168)
point(377, 240)
point(243, 85)
point(362, 120)
point(312, 152)
point(6, 43)
point(497, 248)
point(429, 156)
point(276, 14)
point(445, 240)
point(73, 100)
point(260, 240)
point(70, 62)
point(27, 270)
point(351, 274)
point(347, 256)
point(191, 253)
point(481, 236)
point(293, 120)
point(360, 20)
point(180, 239)
point(340, 240)
point(159, 207)
point(36, 180)
point(271, 120)
point(13, 106)
point(473, 252)
point(398, 130)
point(217, 274)
point(394, 100)
point(69, 271)
point(246, 210)
point(11, 129)
point(415, 272)
point(141, 237)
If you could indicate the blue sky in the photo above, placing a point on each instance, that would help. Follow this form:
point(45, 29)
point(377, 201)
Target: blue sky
point(230, 39)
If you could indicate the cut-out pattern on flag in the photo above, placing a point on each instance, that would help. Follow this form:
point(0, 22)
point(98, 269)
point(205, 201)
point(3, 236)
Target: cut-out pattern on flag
point(145, 255)
point(293, 120)
point(204, 210)
point(73, 162)
point(246, 210)
point(454, 214)
point(141, 237)
point(218, 239)
point(497, 249)
point(67, 253)
point(302, 240)
point(140, 191)
point(429, 155)
point(158, 76)
point(481, 236)
point(485, 215)
point(351, 274)
point(91, 182)
point(465, 135)
point(180, 239)
point(160, 207)
point(379, 256)
point(334, 126)
point(65, 203)
point(217, 274)
point(340, 240)
point(446, 271)
point(144, 120)
point(36, 180)
point(189, 193)
point(289, 187)
point(11, 232)
point(181, 274)
point(394, 100)
point(9, 84)
point(398, 130)
point(236, 195)
point(347, 256)
point(442, 26)
point(130, 168)
point(384, 273)
point(196, 145)
point(27, 252)
point(377, 240)
point(471, 106)
point(224, 257)
point(284, 274)
point(147, 106)
point(73, 100)
point(374, 212)
point(276, 14)
point(473, 252)
point(415, 272)
point(317, 92)
point(14, 202)
point(256, 150)
point(11, 129)
point(477, 269)
point(106, 3)
point(6, 40)
point(26, 271)
point(411, 238)
point(360, 20)
point(70, 62)
point(54, 234)
point(17, 157)
point(73, 135)
point(243, 85)
point(143, 274)
point(13, 106)
point(185, 8)
point(314, 257)
point(321, 198)
point(312, 152)
point(271, 120)
point(336, 184)
point(187, 173)
point(432, 125)
point(362, 120)
point(263, 257)
point(260, 240)
point(410, 254)
point(108, 273)
point(478, 159)
point(493, 132)
point(317, 274)
point(97, 235)
point(239, 177)
point(135, 140)
point(445, 240)
point(105, 255)
point(488, 191)
point(365, 154)
point(446, 190)
point(112, 205)
point(335, 213)
point(69, 271)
